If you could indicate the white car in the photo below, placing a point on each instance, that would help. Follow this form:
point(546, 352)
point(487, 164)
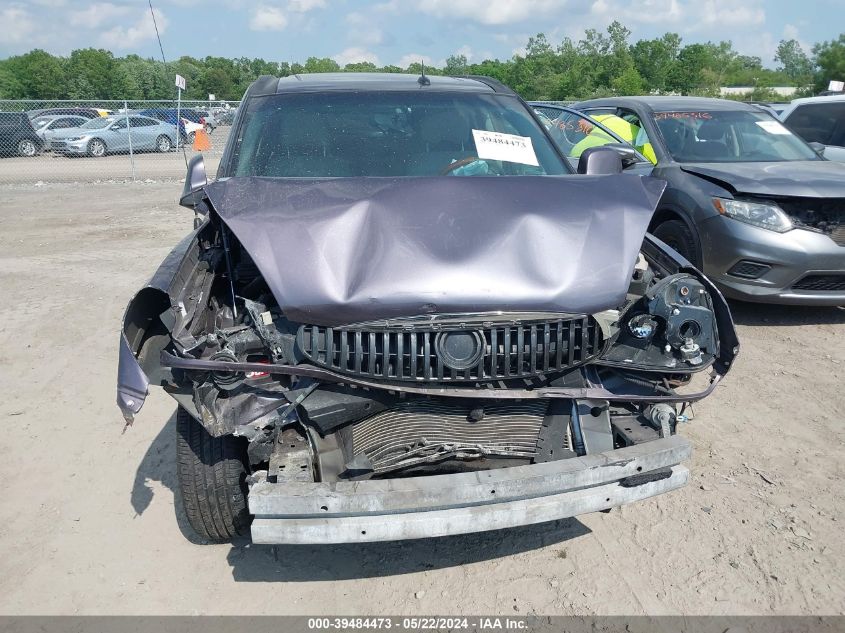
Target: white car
point(191, 129)
point(819, 120)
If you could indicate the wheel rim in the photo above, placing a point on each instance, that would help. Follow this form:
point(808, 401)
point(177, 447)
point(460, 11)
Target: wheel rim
point(97, 148)
point(26, 148)
point(163, 144)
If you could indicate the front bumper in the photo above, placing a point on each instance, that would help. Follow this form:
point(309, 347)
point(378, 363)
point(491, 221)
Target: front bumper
point(791, 256)
point(443, 505)
point(69, 147)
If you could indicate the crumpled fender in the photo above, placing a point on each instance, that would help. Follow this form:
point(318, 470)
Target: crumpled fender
point(142, 317)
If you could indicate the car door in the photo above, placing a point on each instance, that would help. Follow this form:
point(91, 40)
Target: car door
point(116, 135)
point(143, 132)
point(574, 132)
point(821, 123)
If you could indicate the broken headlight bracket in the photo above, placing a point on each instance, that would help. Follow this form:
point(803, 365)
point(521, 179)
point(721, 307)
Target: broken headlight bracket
point(671, 328)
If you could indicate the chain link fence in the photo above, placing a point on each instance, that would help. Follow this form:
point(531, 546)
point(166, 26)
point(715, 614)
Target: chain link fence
point(90, 141)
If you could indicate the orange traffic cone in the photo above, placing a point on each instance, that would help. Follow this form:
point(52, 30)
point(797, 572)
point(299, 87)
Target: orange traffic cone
point(201, 141)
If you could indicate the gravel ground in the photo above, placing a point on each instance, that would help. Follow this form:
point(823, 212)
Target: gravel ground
point(87, 523)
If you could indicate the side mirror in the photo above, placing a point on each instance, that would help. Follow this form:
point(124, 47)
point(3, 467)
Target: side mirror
point(628, 155)
point(600, 161)
point(818, 148)
point(195, 180)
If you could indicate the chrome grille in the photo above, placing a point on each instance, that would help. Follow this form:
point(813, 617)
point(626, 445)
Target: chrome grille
point(510, 351)
point(420, 432)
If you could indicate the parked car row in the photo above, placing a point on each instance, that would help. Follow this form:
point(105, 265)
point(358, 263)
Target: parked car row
point(29, 133)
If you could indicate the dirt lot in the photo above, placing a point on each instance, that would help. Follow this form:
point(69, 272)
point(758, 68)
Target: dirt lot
point(87, 522)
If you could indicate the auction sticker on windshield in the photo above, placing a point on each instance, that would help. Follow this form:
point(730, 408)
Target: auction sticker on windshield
point(507, 147)
point(773, 127)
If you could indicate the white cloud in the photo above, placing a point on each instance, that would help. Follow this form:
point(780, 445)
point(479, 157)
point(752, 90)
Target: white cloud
point(730, 13)
point(356, 54)
point(18, 25)
point(466, 51)
point(690, 16)
point(123, 37)
point(363, 31)
point(413, 58)
point(267, 18)
point(488, 11)
point(98, 14)
point(304, 6)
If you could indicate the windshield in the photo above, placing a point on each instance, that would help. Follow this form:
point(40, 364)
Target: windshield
point(348, 134)
point(739, 136)
point(40, 122)
point(99, 122)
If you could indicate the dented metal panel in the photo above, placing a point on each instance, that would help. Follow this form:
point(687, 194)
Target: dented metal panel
point(340, 251)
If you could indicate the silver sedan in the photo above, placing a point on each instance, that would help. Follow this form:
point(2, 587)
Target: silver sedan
point(46, 126)
point(113, 134)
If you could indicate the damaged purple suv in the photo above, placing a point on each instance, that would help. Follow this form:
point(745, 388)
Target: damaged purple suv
point(401, 316)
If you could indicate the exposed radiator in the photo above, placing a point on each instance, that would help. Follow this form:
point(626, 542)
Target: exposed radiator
point(428, 432)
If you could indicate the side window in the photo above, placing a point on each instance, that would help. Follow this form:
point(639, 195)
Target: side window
point(137, 121)
point(638, 135)
point(816, 122)
point(119, 125)
point(60, 124)
point(575, 132)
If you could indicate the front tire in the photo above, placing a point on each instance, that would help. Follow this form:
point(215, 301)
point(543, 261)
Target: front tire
point(96, 148)
point(677, 235)
point(164, 144)
point(27, 148)
point(212, 475)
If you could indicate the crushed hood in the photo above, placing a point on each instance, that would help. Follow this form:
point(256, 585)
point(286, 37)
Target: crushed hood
point(347, 250)
point(805, 178)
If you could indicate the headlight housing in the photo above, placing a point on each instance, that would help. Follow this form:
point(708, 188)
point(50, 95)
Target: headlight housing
point(73, 138)
point(766, 215)
point(671, 328)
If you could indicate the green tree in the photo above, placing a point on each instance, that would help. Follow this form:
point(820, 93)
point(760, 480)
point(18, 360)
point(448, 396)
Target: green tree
point(794, 62)
point(830, 59)
point(93, 74)
point(321, 65)
point(10, 87)
point(656, 59)
point(39, 75)
point(456, 65)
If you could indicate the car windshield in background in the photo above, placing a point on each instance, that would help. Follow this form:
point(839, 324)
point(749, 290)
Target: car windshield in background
point(348, 134)
point(99, 122)
point(739, 136)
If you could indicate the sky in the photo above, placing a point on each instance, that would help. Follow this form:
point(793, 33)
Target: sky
point(397, 31)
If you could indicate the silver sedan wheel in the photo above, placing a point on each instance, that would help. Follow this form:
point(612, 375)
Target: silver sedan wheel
point(163, 144)
point(97, 148)
point(27, 148)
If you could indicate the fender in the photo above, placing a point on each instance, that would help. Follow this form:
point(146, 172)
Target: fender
point(144, 334)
